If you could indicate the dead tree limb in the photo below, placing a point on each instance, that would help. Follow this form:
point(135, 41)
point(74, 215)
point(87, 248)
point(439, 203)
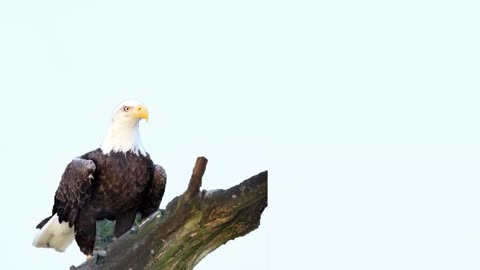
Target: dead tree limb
point(192, 225)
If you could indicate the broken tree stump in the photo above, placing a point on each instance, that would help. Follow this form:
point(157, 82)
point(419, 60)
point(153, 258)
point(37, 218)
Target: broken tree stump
point(192, 225)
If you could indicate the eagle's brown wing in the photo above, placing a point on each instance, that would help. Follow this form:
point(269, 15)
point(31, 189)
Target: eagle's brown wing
point(155, 193)
point(74, 190)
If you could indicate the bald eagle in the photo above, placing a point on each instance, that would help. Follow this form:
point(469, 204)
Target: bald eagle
point(115, 182)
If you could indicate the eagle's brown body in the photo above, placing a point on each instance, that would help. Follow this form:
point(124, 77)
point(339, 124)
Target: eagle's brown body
point(121, 183)
point(115, 186)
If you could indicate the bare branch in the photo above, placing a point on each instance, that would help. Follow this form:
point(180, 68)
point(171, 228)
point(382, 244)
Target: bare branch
point(192, 225)
point(196, 179)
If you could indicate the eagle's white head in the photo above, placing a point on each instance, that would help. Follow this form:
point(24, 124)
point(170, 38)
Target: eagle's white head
point(123, 134)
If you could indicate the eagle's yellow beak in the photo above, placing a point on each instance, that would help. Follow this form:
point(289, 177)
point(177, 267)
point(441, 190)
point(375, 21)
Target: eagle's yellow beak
point(140, 112)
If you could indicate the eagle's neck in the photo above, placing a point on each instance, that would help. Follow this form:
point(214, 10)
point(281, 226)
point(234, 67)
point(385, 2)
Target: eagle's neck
point(123, 136)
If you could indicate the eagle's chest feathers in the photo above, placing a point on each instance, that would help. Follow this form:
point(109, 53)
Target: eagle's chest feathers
point(122, 179)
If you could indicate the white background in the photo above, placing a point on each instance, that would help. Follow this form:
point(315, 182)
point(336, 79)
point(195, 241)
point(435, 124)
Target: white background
point(365, 113)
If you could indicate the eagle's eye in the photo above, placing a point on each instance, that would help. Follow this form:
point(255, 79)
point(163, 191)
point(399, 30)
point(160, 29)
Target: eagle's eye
point(126, 108)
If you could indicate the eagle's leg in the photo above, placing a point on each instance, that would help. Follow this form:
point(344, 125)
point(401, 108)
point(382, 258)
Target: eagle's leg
point(124, 222)
point(85, 230)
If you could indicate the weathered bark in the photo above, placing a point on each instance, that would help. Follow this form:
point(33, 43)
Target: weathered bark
point(192, 225)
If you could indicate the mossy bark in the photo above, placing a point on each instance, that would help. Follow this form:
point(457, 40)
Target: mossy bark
point(192, 225)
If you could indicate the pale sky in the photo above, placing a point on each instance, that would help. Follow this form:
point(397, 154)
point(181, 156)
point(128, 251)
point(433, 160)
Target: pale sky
point(365, 113)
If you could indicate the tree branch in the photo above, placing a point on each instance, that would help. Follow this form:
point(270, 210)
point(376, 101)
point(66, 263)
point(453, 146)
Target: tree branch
point(192, 225)
point(196, 179)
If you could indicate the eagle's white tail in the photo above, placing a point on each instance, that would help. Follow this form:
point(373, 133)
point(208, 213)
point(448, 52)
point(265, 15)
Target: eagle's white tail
point(54, 235)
